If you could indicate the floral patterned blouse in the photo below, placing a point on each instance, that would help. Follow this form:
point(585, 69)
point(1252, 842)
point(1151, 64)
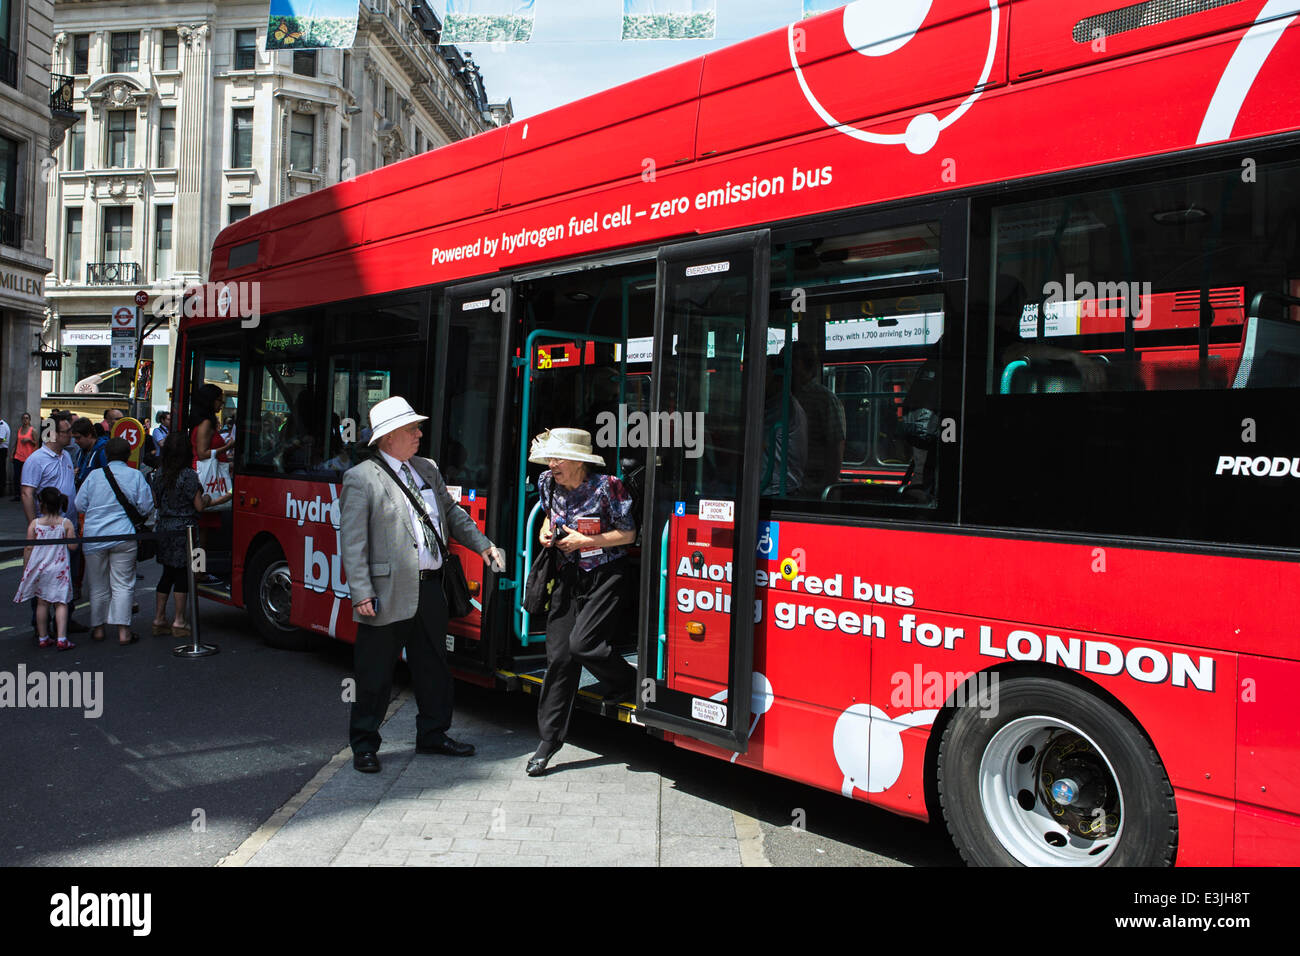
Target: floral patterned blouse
point(600, 496)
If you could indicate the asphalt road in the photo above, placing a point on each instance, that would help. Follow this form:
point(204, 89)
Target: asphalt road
point(188, 758)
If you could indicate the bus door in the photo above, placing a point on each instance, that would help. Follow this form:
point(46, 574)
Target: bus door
point(468, 430)
point(701, 491)
point(566, 371)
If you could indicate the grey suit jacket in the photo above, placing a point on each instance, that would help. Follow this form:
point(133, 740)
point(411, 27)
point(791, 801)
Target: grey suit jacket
point(380, 551)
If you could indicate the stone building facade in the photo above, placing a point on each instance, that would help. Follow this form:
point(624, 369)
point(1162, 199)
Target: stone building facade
point(187, 124)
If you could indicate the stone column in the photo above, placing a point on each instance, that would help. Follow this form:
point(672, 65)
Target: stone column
point(194, 149)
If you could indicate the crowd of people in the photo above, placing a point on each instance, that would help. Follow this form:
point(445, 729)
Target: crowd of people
point(75, 482)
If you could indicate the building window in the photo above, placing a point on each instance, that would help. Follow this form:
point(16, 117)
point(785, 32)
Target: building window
point(117, 234)
point(304, 62)
point(241, 139)
point(167, 137)
point(72, 246)
point(345, 74)
point(171, 46)
point(162, 243)
point(76, 155)
point(388, 101)
point(11, 221)
point(245, 49)
point(81, 54)
point(302, 142)
point(119, 144)
point(124, 55)
point(237, 213)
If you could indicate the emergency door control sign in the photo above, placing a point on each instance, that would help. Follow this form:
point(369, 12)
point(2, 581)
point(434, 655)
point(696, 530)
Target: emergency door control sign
point(717, 510)
point(709, 711)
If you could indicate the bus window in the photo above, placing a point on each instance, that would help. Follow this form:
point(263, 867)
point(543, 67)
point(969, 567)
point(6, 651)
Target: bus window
point(285, 425)
point(1172, 286)
point(358, 382)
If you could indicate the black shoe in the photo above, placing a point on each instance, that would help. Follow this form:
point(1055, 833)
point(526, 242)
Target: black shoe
point(76, 627)
point(448, 748)
point(366, 762)
point(538, 761)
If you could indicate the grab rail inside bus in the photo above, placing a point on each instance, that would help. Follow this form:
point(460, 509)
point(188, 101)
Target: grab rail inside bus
point(525, 361)
point(526, 555)
point(1009, 373)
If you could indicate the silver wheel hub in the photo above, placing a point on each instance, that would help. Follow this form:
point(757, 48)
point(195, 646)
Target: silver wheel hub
point(1050, 795)
point(275, 594)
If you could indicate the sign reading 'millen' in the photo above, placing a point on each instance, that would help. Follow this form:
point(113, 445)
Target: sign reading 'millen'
point(22, 284)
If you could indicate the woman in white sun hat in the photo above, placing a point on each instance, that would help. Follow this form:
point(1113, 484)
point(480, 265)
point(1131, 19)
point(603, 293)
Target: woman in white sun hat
point(589, 518)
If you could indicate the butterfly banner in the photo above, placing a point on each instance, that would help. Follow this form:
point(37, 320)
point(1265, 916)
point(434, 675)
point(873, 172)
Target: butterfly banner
point(669, 19)
point(488, 21)
point(311, 24)
point(812, 8)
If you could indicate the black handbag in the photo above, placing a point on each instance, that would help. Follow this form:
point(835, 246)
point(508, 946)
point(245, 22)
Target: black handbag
point(145, 548)
point(455, 587)
point(541, 578)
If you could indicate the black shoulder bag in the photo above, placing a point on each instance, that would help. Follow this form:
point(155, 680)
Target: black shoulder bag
point(541, 576)
point(455, 588)
point(145, 548)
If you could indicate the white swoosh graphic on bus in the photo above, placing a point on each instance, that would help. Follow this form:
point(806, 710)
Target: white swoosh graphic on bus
point(1248, 59)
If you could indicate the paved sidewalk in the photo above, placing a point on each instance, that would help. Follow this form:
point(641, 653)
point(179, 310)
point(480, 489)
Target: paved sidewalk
point(484, 811)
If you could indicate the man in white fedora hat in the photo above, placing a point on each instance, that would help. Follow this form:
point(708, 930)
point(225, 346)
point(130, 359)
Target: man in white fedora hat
point(393, 559)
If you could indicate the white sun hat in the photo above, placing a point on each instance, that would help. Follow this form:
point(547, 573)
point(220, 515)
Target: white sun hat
point(392, 413)
point(570, 444)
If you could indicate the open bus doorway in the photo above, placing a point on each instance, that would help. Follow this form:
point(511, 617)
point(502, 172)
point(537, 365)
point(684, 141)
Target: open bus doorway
point(586, 338)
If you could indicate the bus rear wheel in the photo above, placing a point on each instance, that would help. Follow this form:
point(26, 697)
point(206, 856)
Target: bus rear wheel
point(1055, 777)
point(268, 597)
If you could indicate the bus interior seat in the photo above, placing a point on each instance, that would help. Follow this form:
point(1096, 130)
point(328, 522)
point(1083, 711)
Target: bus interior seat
point(1271, 355)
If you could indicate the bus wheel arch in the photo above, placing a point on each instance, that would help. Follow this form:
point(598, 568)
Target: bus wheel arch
point(268, 590)
point(991, 776)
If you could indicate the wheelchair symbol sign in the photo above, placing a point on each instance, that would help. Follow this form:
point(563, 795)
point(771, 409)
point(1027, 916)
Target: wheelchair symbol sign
point(769, 540)
point(473, 493)
point(679, 509)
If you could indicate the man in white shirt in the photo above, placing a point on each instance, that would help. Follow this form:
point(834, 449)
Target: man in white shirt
point(393, 564)
point(4, 455)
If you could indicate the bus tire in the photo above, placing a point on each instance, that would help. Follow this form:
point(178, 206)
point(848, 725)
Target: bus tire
point(1054, 777)
point(268, 591)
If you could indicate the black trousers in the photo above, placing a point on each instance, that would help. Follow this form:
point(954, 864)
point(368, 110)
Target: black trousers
point(425, 639)
point(587, 612)
point(4, 470)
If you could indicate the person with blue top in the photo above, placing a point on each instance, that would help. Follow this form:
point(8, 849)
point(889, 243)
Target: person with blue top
point(110, 565)
point(589, 519)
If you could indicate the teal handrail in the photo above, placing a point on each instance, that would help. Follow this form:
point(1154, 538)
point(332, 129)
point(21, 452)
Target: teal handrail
point(526, 555)
point(1009, 373)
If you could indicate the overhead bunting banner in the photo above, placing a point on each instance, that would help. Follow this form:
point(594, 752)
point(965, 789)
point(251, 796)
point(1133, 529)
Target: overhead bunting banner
point(813, 8)
point(669, 19)
point(311, 24)
point(488, 21)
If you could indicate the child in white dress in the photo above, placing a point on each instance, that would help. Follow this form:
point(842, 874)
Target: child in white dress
point(46, 572)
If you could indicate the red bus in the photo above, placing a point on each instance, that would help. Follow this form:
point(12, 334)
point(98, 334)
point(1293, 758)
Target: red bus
point(958, 370)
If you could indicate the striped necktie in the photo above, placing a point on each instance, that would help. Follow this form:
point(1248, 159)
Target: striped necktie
point(430, 541)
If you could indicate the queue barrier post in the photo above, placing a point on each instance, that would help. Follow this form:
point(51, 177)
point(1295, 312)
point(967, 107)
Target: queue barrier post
point(194, 649)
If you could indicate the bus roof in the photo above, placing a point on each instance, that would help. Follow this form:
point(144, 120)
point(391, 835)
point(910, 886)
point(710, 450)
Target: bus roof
point(794, 122)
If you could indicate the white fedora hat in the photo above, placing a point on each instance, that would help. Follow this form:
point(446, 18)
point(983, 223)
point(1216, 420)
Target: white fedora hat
point(571, 444)
point(390, 414)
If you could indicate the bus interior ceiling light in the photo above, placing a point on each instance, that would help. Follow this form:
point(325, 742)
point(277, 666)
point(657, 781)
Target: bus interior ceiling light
point(1181, 216)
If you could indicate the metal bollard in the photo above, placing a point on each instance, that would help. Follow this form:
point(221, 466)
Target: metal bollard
point(194, 649)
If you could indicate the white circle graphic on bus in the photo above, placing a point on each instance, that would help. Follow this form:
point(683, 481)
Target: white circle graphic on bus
point(878, 28)
point(761, 698)
point(868, 746)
